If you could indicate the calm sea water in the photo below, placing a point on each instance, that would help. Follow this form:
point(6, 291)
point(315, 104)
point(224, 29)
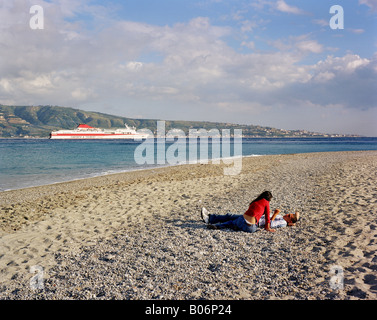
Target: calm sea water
point(33, 162)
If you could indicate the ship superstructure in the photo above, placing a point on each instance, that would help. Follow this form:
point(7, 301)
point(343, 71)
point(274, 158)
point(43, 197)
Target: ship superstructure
point(84, 131)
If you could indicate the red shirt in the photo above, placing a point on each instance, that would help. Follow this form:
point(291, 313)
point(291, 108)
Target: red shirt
point(257, 208)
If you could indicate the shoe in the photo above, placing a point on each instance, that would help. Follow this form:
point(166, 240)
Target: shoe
point(205, 215)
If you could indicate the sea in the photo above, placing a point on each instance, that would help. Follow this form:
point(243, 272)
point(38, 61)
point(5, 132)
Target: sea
point(34, 162)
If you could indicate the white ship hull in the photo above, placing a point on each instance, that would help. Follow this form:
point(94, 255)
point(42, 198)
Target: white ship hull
point(119, 136)
point(87, 132)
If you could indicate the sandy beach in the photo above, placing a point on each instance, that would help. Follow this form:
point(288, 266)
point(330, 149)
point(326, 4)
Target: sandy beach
point(138, 235)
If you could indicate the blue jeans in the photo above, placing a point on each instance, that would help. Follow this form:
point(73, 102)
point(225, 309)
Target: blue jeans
point(232, 221)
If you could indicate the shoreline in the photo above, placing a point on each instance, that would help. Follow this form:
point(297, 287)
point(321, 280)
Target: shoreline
point(101, 175)
point(130, 171)
point(64, 231)
point(104, 171)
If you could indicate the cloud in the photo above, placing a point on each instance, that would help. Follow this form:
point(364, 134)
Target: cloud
point(310, 46)
point(356, 31)
point(300, 44)
point(321, 22)
point(372, 4)
point(282, 6)
point(180, 71)
point(279, 5)
point(248, 44)
point(81, 93)
point(346, 81)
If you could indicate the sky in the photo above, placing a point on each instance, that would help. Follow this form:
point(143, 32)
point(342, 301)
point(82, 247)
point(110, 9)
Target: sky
point(276, 63)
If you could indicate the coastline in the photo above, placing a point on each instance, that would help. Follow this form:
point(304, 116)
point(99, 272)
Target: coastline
point(35, 176)
point(63, 227)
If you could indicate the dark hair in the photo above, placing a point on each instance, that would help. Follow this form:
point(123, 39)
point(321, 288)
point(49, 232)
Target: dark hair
point(264, 195)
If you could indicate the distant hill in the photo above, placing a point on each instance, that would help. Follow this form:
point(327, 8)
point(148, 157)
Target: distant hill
point(39, 121)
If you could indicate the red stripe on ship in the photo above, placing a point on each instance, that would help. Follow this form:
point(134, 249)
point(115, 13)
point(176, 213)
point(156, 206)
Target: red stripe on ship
point(92, 134)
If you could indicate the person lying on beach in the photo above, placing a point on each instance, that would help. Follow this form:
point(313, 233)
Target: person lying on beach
point(279, 221)
point(248, 222)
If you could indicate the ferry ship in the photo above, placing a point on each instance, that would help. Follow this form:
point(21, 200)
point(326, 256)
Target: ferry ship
point(84, 131)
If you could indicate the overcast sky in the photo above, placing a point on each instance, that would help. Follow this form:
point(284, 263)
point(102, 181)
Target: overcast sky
point(263, 62)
